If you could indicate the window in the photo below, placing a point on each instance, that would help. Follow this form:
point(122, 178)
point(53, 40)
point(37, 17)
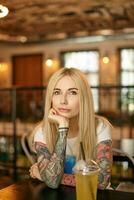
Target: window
point(88, 62)
point(127, 78)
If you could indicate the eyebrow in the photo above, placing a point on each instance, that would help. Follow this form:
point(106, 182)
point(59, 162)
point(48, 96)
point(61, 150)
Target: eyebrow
point(72, 89)
point(68, 89)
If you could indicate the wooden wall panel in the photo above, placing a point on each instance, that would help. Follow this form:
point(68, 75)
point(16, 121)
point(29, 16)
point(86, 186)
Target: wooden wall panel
point(28, 70)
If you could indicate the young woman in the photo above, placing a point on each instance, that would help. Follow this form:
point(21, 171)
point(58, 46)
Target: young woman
point(70, 119)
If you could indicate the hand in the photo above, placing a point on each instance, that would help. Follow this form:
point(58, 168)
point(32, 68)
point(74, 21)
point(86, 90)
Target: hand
point(34, 172)
point(54, 117)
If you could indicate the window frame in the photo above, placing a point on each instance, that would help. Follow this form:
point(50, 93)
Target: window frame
point(124, 106)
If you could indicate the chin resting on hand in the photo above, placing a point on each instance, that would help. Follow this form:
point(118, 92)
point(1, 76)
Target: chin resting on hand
point(54, 117)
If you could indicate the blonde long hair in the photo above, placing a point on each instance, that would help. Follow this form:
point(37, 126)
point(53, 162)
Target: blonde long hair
point(86, 122)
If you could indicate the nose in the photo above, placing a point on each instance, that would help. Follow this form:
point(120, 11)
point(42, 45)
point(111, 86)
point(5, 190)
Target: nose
point(63, 99)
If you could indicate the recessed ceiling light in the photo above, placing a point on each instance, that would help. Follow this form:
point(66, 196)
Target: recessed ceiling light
point(22, 39)
point(3, 11)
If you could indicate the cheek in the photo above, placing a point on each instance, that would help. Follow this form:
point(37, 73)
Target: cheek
point(76, 105)
point(54, 101)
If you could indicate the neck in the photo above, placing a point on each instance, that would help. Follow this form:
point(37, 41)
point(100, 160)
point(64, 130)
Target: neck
point(73, 128)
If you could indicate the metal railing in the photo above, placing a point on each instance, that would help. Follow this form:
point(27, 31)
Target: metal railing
point(27, 103)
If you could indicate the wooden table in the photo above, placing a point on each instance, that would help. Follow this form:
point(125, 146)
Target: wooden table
point(34, 190)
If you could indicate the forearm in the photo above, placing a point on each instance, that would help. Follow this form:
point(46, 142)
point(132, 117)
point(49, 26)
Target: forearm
point(104, 159)
point(52, 169)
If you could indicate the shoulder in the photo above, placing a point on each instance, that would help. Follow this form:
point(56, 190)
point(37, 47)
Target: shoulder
point(103, 129)
point(37, 134)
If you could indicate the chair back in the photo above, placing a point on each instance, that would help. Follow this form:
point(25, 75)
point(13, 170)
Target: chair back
point(26, 148)
point(119, 151)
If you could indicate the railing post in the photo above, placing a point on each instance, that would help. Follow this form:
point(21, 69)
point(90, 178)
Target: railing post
point(14, 134)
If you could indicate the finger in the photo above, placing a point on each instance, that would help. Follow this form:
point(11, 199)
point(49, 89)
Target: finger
point(54, 111)
point(51, 115)
point(31, 174)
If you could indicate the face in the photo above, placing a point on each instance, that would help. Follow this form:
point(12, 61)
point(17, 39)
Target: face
point(65, 98)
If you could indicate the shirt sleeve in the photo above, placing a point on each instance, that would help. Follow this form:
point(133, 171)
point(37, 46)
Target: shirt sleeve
point(104, 131)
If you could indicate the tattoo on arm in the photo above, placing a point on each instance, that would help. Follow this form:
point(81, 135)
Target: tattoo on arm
point(43, 156)
point(104, 159)
point(51, 166)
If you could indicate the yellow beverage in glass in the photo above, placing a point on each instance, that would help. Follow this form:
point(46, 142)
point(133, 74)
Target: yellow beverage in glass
point(86, 182)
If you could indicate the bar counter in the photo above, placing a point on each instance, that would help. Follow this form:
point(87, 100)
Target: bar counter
point(31, 189)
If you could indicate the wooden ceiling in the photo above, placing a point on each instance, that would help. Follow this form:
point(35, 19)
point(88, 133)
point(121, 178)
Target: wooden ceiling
point(43, 20)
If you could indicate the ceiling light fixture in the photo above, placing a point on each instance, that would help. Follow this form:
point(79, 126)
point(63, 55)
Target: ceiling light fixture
point(3, 11)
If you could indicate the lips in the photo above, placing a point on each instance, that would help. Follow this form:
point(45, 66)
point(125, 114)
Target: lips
point(65, 110)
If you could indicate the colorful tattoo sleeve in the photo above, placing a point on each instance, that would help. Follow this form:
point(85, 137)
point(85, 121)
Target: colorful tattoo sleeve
point(104, 159)
point(51, 166)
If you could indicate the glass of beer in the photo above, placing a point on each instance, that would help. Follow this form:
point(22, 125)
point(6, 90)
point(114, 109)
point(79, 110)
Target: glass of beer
point(86, 177)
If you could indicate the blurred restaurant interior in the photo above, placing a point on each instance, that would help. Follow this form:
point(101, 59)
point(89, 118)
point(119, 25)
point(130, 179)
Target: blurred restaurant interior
point(37, 38)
